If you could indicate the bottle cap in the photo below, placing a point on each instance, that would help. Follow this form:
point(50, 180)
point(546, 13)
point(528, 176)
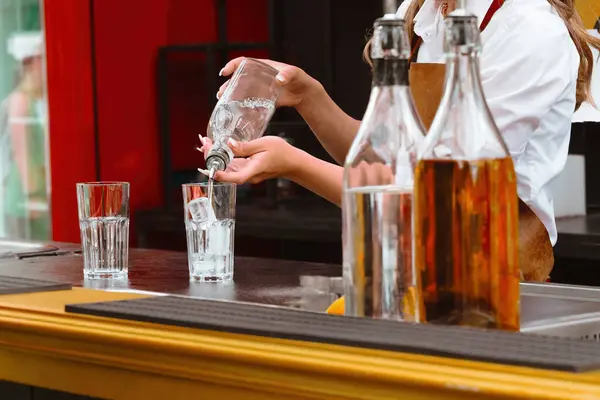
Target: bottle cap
point(389, 20)
point(390, 39)
point(462, 30)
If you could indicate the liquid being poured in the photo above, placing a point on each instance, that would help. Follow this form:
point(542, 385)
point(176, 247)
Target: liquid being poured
point(211, 181)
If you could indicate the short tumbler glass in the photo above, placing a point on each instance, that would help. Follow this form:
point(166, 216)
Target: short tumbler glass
point(210, 228)
point(104, 224)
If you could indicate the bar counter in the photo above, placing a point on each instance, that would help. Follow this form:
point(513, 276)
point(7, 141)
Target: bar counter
point(42, 346)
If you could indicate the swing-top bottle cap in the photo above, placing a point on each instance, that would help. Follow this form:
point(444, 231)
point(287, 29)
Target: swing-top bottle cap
point(461, 14)
point(462, 29)
point(389, 19)
point(390, 39)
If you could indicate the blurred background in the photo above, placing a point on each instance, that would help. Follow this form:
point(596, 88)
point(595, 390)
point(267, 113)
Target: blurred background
point(120, 90)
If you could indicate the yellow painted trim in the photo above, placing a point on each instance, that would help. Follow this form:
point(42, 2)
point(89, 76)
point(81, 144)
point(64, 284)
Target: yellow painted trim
point(43, 346)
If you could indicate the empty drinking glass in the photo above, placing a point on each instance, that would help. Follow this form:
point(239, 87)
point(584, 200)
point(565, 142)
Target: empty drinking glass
point(104, 224)
point(209, 210)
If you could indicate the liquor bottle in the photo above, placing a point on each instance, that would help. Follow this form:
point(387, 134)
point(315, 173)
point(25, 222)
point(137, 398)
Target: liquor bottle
point(465, 203)
point(243, 111)
point(378, 186)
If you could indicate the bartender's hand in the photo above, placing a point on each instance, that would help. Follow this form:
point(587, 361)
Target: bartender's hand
point(257, 160)
point(295, 83)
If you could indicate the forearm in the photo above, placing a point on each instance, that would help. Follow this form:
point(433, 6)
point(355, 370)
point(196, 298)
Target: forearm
point(318, 176)
point(331, 125)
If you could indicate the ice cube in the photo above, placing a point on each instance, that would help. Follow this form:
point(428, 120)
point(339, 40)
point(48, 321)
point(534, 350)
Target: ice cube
point(201, 211)
point(218, 236)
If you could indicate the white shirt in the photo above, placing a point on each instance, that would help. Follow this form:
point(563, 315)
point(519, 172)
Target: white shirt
point(529, 67)
point(587, 112)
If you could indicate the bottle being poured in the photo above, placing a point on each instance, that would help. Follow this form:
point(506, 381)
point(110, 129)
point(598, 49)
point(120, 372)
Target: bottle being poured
point(466, 205)
point(378, 187)
point(239, 120)
point(242, 113)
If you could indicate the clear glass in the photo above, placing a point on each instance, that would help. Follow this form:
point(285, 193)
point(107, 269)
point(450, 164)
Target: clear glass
point(210, 230)
point(24, 161)
point(244, 110)
point(466, 205)
point(104, 224)
point(378, 185)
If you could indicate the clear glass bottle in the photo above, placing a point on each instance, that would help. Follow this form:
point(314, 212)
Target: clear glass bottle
point(243, 111)
point(466, 205)
point(378, 186)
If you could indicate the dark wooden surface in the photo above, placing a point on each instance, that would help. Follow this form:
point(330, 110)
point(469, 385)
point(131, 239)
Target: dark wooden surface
point(296, 284)
point(268, 281)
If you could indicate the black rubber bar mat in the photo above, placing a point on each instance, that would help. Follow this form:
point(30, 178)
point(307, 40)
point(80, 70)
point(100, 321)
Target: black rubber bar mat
point(544, 352)
point(14, 285)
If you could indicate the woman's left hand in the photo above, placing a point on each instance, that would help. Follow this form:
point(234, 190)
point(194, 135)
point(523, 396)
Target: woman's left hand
point(257, 160)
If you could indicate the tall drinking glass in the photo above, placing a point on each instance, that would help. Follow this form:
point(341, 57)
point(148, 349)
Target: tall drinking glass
point(104, 224)
point(209, 212)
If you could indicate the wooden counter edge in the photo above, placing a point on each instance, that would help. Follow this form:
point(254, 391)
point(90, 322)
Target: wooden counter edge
point(41, 345)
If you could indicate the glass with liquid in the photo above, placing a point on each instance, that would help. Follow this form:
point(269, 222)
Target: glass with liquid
point(209, 213)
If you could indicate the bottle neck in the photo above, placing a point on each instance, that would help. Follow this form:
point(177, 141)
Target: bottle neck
point(390, 72)
point(218, 158)
point(462, 73)
point(463, 127)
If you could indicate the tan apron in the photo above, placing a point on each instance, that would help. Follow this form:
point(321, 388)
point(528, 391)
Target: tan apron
point(536, 256)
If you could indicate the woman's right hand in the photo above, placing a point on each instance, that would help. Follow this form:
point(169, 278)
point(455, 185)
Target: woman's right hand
point(264, 158)
point(295, 83)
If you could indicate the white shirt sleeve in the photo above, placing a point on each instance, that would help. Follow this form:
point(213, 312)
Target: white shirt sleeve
point(529, 68)
point(524, 71)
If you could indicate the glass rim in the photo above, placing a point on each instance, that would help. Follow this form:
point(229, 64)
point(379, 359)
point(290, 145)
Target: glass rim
point(103, 183)
point(271, 69)
point(206, 184)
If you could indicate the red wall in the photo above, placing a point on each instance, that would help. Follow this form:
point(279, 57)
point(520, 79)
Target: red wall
point(127, 36)
point(188, 103)
point(70, 104)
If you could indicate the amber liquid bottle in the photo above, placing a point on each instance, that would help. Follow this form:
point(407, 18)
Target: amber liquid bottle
point(465, 202)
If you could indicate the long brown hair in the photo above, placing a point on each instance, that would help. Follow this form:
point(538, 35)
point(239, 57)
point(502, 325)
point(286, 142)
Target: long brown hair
point(567, 11)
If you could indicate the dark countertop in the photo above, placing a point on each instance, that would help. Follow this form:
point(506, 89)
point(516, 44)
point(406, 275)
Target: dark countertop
point(303, 285)
point(277, 282)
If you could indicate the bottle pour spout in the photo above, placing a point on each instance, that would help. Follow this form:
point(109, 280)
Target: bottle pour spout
point(217, 161)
